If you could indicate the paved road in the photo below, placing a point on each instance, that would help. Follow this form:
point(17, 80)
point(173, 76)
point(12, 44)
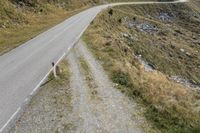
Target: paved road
point(23, 69)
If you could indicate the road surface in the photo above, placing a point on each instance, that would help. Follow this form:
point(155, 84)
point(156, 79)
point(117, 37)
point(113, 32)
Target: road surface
point(23, 69)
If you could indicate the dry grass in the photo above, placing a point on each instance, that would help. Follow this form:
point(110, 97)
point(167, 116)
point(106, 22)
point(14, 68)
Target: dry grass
point(89, 79)
point(169, 106)
point(15, 34)
point(63, 75)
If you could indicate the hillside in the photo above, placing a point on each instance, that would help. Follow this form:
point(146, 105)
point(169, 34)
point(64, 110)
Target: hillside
point(151, 53)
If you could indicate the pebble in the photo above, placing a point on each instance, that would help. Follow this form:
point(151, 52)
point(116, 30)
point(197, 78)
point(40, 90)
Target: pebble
point(182, 50)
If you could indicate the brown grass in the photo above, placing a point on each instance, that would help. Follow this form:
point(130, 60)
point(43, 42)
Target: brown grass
point(14, 35)
point(89, 79)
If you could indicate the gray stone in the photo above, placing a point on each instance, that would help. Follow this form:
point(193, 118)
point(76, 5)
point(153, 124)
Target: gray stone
point(146, 27)
point(182, 50)
point(186, 82)
point(166, 17)
point(128, 36)
point(188, 54)
point(147, 66)
point(125, 35)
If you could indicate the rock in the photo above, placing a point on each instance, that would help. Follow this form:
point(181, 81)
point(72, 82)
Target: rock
point(188, 54)
point(147, 66)
point(146, 27)
point(125, 35)
point(130, 25)
point(21, 3)
point(195, 14)
point(182, 50)
point(3, 26)
point(116, 85)
point(166, 17)
point(129, 22)
point(171, 54)
point(194, 37)
point(128, 36)
point(186, 82)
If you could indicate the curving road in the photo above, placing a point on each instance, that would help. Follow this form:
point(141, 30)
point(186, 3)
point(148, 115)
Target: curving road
point(23, 69)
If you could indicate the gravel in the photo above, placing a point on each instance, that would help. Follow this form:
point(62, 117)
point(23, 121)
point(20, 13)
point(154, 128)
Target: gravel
point(47, 112)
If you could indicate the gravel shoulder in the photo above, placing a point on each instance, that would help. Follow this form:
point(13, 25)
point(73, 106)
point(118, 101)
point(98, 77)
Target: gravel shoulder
point(48, 110)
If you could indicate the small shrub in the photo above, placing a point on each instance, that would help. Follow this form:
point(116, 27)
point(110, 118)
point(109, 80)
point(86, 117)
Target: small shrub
point(110, 12)
point(121, 78)
point(120, 20)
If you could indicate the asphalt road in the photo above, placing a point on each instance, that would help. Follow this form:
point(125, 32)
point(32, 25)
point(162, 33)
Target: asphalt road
point(23, 69)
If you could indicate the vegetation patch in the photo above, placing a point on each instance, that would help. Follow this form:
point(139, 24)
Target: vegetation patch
point(121, 78)
point(63, 74)
point(89, 79)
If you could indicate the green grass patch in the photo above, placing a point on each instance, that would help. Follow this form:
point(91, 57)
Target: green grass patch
point(121, 78)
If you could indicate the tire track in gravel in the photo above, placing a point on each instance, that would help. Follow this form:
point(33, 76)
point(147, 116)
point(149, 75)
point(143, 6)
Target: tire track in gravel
point(81, 116)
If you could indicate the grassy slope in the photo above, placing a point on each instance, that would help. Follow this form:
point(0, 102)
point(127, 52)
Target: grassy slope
point(20, 23)
point(169, 106)
point(183, 33)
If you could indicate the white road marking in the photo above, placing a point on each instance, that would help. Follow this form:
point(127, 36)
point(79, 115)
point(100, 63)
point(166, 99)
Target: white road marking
point(16, 112)
point(25, 100)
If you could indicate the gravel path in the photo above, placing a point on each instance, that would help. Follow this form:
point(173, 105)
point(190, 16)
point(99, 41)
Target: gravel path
point(112, 112)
